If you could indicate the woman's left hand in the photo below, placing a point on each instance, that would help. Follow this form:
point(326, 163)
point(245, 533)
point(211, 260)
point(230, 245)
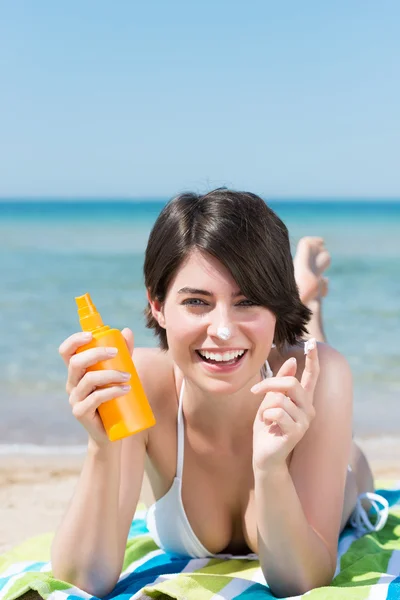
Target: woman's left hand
point(286, 412)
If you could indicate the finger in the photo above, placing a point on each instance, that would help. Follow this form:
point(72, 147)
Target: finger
point(277, 400)
point(277, 384)
point(72, 343)
point(323, 287)
point(280, 417)
point(311, 368)
point(323, 261)
point(289, 386)
point(128, 335)
point(81, 361)
point(97, 379)
point(303, 247)
point(92, 402)
point(288, 368)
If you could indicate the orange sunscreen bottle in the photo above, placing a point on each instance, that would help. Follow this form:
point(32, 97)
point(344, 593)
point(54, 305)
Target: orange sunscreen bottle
point(127, 414)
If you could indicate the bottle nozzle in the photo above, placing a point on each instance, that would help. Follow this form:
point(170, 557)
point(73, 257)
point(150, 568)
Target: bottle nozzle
point(89, 318)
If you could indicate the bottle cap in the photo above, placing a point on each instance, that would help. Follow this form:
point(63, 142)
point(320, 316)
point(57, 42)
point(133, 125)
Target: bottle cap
point(89, 318)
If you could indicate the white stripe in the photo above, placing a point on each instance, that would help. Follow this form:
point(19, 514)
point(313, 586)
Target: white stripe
point(17, 567)
point(379, 590)
point(394, 563)
point(159, 579)
point(140, 514)
point(258, 577)
point(344, 544)
point(46, 568)
point(10, 583)
point(63, 594)
point(195, 564)
point(233, 588)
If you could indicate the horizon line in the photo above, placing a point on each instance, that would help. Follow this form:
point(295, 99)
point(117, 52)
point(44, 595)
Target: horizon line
point(156, 198)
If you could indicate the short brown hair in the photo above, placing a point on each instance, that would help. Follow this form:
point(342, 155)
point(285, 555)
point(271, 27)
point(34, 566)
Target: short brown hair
point(246, 236)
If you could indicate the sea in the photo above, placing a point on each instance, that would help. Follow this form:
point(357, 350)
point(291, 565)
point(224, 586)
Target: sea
point(52, 251)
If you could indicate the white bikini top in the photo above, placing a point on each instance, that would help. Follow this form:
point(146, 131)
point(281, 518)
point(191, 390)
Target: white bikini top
point(166, 519)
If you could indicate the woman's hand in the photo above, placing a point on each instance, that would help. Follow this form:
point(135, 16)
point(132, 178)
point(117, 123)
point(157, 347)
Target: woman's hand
point(286, 412)
point(87, 389)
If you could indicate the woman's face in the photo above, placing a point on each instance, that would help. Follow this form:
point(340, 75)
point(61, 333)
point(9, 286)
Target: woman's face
point(203, 297)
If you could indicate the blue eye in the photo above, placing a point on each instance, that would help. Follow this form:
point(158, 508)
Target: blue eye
point(198, 302)
point(194, 302)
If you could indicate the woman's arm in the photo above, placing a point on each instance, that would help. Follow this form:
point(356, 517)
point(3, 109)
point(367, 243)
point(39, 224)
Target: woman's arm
point(299, 508)
point(89, 546)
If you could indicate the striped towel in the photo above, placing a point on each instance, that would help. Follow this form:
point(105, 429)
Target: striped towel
point(368, 567)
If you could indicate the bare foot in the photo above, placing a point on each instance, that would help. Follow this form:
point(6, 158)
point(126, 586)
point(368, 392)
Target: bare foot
point(310, 261)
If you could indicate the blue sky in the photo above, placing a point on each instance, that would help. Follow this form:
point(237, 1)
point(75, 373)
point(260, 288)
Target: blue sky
point(126, 98)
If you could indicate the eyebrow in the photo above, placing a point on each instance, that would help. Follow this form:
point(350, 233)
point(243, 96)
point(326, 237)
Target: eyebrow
point(196, 291)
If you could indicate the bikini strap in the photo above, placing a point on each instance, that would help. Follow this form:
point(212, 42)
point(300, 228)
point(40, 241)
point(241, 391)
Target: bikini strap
point(180, 435)
point(268, 370)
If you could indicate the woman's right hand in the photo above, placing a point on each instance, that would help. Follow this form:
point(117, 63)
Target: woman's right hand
point(86, 388)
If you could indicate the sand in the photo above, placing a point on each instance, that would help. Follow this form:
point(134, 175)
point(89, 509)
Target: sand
point(35, 490)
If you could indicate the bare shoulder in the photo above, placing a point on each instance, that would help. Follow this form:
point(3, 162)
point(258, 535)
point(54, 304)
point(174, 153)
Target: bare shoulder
point(334, 367)
point(335, 373)
point(156, 373)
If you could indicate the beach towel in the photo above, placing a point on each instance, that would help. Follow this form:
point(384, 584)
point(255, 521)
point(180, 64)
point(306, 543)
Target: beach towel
point(368, 567)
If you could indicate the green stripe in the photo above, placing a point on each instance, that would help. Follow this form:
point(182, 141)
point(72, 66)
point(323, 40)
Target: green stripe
point(192, 587)
point(244, 569)
point(41, 582)
point(137, 548)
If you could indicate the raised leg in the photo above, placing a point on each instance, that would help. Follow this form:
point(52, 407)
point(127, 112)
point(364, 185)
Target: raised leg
point(310, 262)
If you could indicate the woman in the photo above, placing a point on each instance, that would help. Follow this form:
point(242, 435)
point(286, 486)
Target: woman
point(260, 460)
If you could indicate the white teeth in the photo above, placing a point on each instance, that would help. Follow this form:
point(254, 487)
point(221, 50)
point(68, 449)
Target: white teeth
point(226, 356)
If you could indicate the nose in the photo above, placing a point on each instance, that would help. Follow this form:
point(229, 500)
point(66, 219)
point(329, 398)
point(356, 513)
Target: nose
point(221, 326)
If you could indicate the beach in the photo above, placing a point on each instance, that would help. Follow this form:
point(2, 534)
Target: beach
point(56, 251)
point(35, 490)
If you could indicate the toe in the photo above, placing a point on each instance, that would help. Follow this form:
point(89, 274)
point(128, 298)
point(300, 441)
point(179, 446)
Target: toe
point(323, 261)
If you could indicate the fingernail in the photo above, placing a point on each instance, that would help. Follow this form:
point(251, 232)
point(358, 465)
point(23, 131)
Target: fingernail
point(125, 388)
point(255, 388)
point(125, 376)
point(292, 360)
point(87, 335)
point(309, 345)
point(111, 351)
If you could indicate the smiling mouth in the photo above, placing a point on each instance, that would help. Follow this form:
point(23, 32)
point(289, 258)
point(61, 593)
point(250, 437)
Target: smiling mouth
point(228, 358)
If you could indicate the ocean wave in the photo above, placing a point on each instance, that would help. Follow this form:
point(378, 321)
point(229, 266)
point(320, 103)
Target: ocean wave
point(36, 450)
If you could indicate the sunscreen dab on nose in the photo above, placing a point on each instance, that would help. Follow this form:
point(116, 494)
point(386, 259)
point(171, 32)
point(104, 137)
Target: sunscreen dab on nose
point(131, 412)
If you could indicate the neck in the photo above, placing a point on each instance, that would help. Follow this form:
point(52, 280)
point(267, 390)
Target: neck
point(220, 418)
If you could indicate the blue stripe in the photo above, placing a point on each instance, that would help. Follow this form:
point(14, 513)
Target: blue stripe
point(255, 592)
point(146, 574)
point(394, 590)
point(138, 527)
point(392, 496)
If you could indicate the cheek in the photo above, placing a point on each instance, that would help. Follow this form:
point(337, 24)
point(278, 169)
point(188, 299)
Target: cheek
point(181, 326)
point(263, 328)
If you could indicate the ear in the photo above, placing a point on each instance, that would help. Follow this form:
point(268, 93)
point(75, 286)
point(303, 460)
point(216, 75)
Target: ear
point(156, 310)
